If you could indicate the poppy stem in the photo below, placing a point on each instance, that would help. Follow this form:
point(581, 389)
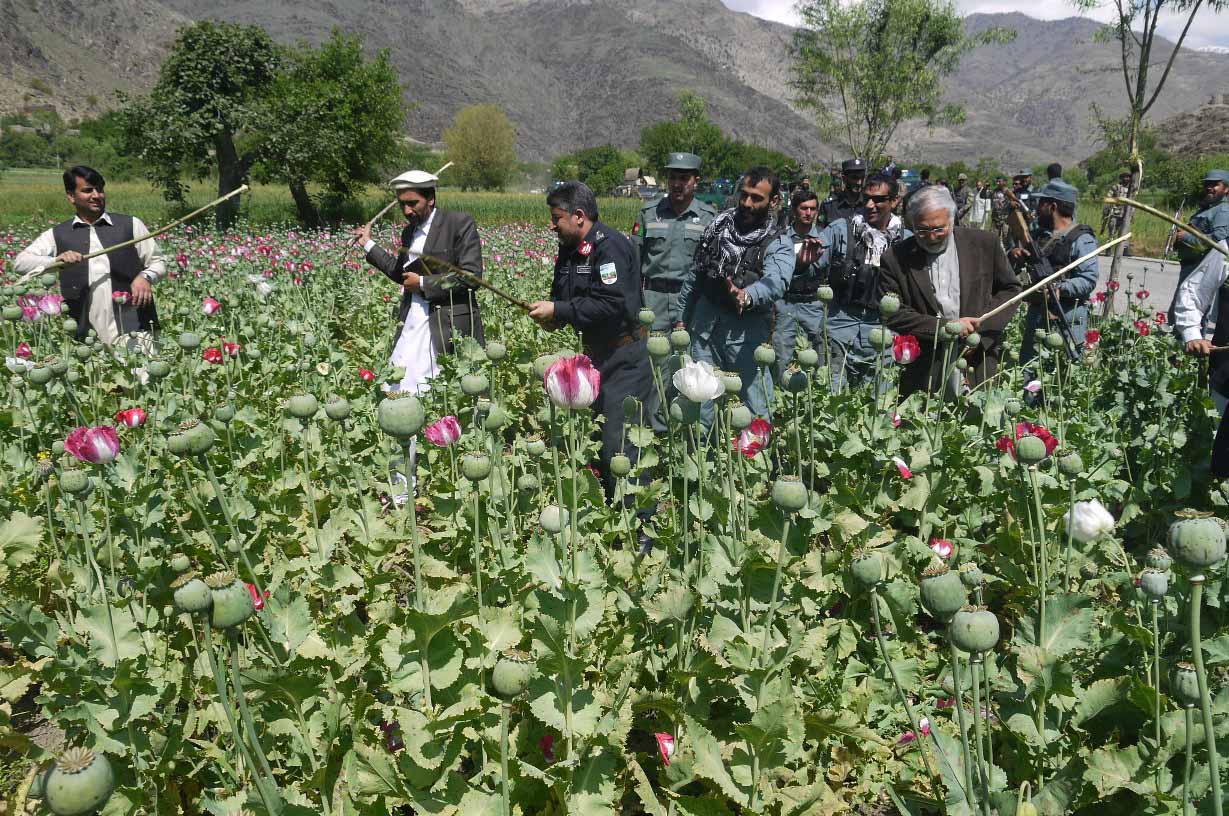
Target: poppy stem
point(1209, 727)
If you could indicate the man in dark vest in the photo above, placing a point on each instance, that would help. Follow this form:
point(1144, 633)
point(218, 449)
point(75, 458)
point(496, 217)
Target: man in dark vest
point(1061, 240)
point(436, 304)
point(112, 294)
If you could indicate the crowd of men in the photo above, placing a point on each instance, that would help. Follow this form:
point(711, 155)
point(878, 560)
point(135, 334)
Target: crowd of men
point(741, 289)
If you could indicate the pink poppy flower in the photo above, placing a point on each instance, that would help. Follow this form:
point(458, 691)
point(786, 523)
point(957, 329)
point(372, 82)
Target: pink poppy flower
point(942, 547)
point(909, 736)
point(210, 306)
point(665, 745)
point(905, 473)
point(212, 355)
point(121, 298)
point(98, 445)
point(754, 438)
point(24, 352)
point(258, 600)
point(443, 432)
point(131, 417)
point(366, 374)
point(51, 304)
point(906, 348)
point(547, 746)
point(572, 382)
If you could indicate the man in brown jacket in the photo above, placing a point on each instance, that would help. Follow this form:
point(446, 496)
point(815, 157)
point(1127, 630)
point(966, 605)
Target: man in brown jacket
point(436, 304)
point(946, 275)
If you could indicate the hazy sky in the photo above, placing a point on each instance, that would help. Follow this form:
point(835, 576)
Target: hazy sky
point(1208, 30)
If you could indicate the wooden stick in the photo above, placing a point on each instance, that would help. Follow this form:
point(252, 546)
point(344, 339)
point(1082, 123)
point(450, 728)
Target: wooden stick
point(393, 203)
point(1050, 278)
point(243, 188)
point(473, 280)
point(1166, 217)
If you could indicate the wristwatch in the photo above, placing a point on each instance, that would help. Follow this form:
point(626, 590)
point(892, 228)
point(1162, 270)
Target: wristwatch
point(149, 276)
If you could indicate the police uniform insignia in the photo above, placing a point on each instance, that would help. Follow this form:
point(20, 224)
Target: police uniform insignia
point(636, 228)
point(584, 249)
point(608, 273)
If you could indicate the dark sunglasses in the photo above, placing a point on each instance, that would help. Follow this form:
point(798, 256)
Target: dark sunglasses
point(876, 199)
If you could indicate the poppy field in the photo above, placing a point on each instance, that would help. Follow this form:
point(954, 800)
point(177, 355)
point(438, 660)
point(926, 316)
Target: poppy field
point(224, 593)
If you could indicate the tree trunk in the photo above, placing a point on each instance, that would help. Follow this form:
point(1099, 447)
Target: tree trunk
point(308, 213)
point(1137, 178)
point(231, 170)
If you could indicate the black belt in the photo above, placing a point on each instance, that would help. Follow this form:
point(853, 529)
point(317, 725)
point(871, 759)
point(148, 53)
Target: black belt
point(670, 287)
point(800, 297)
point(606, 346)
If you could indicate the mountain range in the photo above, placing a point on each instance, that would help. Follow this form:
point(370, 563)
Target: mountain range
point(578, 73)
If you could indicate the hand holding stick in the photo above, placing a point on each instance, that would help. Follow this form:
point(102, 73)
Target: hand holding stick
point(1051, 278)
point(243, 188)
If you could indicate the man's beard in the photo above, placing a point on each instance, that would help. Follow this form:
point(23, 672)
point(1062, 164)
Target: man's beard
point(747, 220)
point(935, 247)
point(1212, 199)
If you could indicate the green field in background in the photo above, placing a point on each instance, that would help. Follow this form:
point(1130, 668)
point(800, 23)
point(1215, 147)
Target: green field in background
point(37, 195)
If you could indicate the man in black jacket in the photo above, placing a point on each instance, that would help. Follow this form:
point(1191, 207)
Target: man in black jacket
point(436, 304)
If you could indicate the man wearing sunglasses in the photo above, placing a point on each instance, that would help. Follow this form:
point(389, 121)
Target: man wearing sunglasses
point(848, 201)
point(853, 248)
point(947, 277)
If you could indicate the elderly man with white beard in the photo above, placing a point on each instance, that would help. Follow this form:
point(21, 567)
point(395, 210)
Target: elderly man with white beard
point(947, 277)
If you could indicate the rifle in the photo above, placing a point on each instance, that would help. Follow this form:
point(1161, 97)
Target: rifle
point(1173, 229)
point(1040, 269)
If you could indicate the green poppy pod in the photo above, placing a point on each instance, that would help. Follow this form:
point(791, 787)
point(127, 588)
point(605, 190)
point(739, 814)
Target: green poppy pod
point(868, 567)
point(962, 364)
point(825, 294)
point(1154, 583)
point(80, 782)
point(1026, 809)
point(740, 416)
point(337, 408)
point(1030, 449)
point(48, 279)
point(789, 494)
point(535, 446)
point(1089, 570)
point(620, 465)
point(181, 562)
point(476, 466)
point(1184, 685)
point(511, 674)
point(70, 326)
point(880, 338)
point(40, 375)
point(83, 353)
point(191, 594)
point(889, 305)
point(685, 411)
point(972, 339)
point(553, 519)
point(232, 602)
point(1158, 558)
point(765, 354)
point(302, 406)
point(400, 415)
point(189, 340)
point(679, 339)
point(158, 369)
point(1012, 407)
point(75, 482)
point(974, 629)
point(1197, 542)
point(474, 384)
point(971, 575)
point(942, 591)
point(496, 351)
point(11, 312)
point(527, 483)
point(309, 339)
point(796, 381)
point(497, 417)
point(730, 381)
point(658, 345)
point(646, 317)
point(952, 328)
point(1054, 340)
point(808, 358)
point(200, 436)
point(58, 367)
point(224, 413)
point(1070, 464)
point(543, 362)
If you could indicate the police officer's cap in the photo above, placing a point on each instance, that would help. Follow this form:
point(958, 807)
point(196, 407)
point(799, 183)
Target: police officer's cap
point(1023, 173)
point(962, 177)
point(414, 180)
point(1059, 190)
point(1217, 175)
point(683, 161)
point(853, 166)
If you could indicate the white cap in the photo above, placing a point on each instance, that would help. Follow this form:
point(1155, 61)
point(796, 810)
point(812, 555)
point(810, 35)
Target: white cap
point(413, 179)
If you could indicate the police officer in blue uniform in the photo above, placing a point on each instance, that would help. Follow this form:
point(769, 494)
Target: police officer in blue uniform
point(853, 250)
point(801, 309)
point(1212, 220)
point(848, 201)
point(741, 269)
point(1061, 240)
point(596, 291)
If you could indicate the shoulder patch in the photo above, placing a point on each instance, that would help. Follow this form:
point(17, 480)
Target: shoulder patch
point(608, 272)
point(636, 228)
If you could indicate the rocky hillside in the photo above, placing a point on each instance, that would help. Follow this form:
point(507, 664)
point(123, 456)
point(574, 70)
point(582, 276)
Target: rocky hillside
point(576, 73)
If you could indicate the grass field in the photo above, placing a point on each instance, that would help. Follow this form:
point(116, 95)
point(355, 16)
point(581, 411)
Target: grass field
point(37, 195)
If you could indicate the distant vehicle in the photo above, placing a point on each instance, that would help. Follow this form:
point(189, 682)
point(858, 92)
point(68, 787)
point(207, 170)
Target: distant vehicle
point(909, 180)
point(716, 192)
point(649, 192)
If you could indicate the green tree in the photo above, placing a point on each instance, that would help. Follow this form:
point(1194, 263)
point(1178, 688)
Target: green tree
point(692, 132)
point(866, 67)
point(482, 142)
point(204, 110)
point(331, 117)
